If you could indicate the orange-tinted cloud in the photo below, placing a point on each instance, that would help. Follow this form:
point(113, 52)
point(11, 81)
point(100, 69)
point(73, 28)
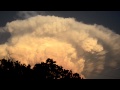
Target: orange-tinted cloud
point(74, 45)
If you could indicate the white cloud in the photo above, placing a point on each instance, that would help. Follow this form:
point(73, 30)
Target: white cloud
point(74, 45)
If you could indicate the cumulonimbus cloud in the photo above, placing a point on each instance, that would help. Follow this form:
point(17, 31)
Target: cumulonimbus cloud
point(87, 49)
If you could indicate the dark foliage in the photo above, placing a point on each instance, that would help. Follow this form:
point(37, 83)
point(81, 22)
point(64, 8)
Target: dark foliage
point(14, 70)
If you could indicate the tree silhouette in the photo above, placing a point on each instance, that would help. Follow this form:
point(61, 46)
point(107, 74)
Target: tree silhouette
point(11, 69)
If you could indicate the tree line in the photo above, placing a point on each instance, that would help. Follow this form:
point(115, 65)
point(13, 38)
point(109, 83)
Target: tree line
point(14, 70)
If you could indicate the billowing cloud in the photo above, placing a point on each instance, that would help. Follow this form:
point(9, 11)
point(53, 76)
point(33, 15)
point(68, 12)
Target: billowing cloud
point(87, 49)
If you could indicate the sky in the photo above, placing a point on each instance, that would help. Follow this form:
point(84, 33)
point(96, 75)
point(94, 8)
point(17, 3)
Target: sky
point(88, 41)
point(109, 19)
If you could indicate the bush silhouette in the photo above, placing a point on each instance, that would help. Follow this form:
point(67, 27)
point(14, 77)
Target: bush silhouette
point(10, 70)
